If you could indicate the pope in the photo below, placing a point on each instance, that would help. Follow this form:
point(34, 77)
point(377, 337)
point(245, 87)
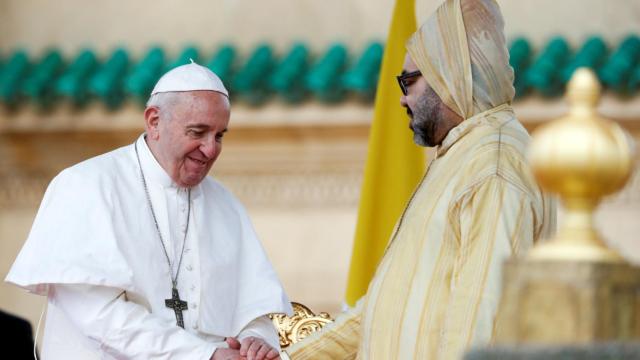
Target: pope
point(141, 255)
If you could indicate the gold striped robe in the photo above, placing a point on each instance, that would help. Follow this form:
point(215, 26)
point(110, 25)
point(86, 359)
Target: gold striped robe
point(436, 290)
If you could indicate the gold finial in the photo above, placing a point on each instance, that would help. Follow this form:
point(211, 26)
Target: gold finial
point(582, 157)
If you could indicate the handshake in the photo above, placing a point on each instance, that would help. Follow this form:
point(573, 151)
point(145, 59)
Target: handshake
point(250, 348)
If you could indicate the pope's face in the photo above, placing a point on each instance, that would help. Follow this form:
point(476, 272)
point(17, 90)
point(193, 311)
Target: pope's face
point(186, 137)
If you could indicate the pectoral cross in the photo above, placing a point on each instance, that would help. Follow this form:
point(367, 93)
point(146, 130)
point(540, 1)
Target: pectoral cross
point(177, 305)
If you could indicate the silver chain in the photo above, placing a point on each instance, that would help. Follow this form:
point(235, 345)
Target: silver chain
point(174, 280)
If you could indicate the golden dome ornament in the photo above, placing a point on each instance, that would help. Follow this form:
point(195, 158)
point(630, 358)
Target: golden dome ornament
point(582, 157)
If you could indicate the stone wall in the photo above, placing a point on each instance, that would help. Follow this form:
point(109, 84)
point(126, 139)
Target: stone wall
point(104, 25)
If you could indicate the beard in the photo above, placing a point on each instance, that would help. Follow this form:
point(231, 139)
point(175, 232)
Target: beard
point(426, 119)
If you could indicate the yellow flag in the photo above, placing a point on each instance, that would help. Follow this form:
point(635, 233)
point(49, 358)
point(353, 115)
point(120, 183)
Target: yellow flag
point(394, 163)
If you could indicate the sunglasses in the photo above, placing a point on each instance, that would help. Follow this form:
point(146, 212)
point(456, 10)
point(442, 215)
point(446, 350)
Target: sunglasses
point(403, 80)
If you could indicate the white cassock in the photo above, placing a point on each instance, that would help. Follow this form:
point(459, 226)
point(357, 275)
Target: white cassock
point(94, 237)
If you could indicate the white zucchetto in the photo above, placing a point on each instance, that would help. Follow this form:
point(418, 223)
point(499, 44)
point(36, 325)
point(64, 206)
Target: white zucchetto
point(190, 77)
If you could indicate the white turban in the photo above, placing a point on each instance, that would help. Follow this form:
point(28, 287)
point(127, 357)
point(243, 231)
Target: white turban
point(462, 54)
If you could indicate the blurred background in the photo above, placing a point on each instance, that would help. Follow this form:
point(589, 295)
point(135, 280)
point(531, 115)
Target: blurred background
point(74, 75)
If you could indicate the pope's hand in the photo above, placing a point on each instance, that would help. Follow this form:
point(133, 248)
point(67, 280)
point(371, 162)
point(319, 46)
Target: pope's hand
point(226, 354)
point(254, 348)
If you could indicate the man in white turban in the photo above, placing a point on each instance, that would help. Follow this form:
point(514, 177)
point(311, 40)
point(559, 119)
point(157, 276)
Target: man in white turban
point(142, 255)
point(436, 291)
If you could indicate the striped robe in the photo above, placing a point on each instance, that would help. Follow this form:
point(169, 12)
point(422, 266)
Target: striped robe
point(436, 290)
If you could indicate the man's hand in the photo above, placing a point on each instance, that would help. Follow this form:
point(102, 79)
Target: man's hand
point(226, 354)
point(253, 348)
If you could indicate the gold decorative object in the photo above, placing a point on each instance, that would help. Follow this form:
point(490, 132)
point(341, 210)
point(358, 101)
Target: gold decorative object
point(573, 289)
point(582, 157)
point(300, 325)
